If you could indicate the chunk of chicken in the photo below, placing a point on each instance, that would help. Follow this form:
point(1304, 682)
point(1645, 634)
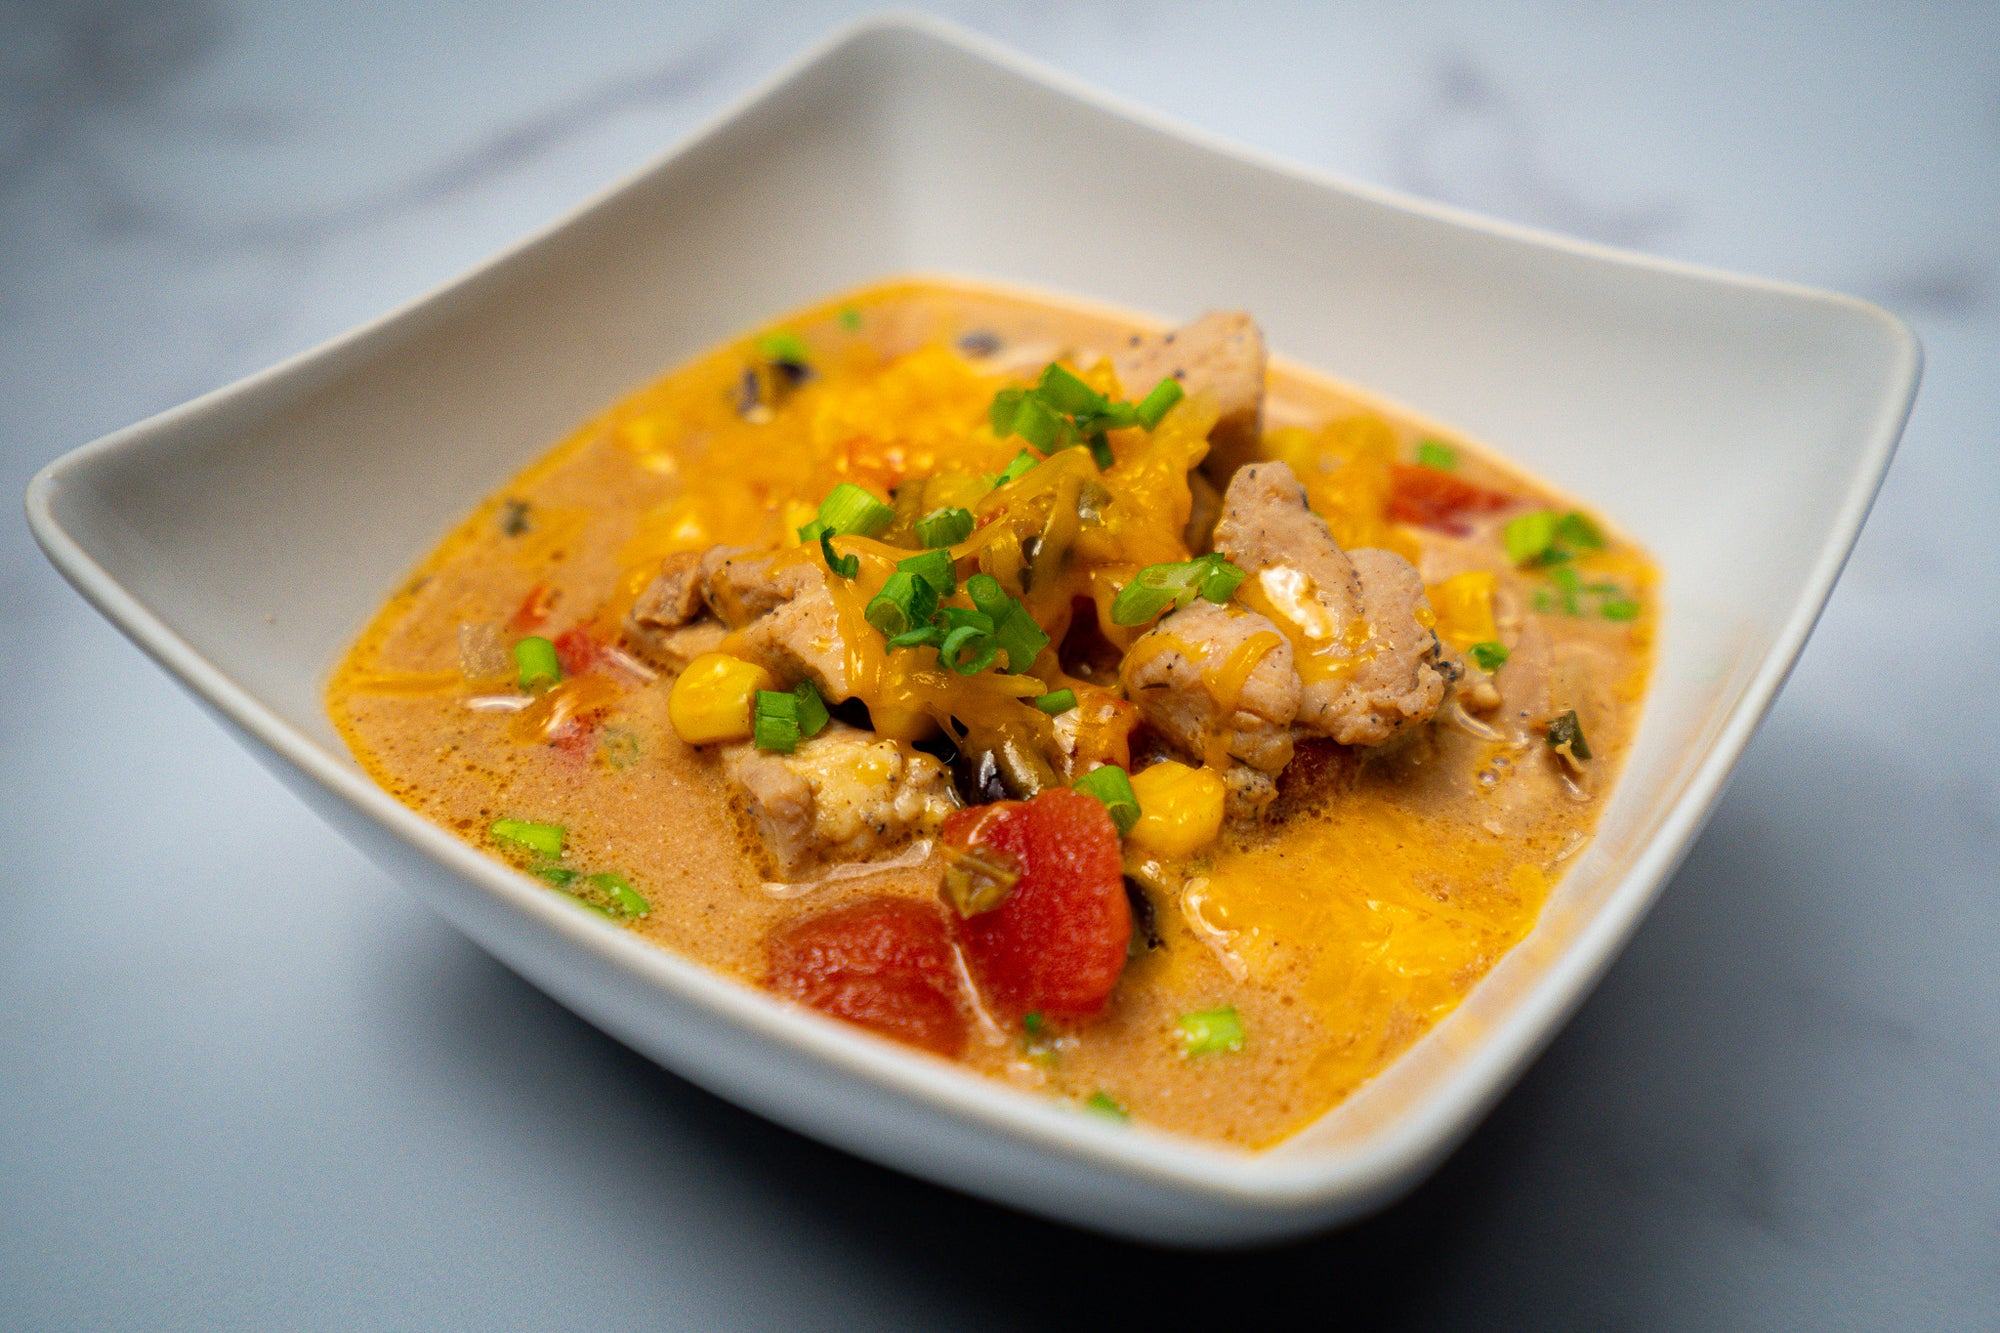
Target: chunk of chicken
point(667, 625)
point(1373, 668)
point(843, 795)
point(798, 636)
point(1222, 355)
point(737, 582)
point(1186, 676)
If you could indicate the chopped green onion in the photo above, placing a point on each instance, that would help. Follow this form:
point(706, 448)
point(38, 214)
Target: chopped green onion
point(1566, 734)
point(810, 709)
point(945, 527)
point(1110, 785)
point(1065, 393)
point(1023, 463)
point(1488, 656)
point(906, 602)
point(1032, 1024)
point(1157, 587)
point(1438, 455)
point(783, 345)
point(1014, 630)
point(1529, 536)
point(850, 318)
point(934, 568)
point(1035, 422)
point(1619, 608)
point(1006, 406)
point(1056, 701)
point(1211, 1031)
point(537, 664)
point(546, 839)
point(619, 746)
point(1221, 580)
point(1576, 530)
point(775, 721)
point(927, 636)
point(1104, 1104)
point(560, 876)
point(617, 893)
point(1156, 404)
point(846, 566)
point(968, 650)
point(850, 510)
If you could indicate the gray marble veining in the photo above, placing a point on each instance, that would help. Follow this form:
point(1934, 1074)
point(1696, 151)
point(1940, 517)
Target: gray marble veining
point(244, 1082)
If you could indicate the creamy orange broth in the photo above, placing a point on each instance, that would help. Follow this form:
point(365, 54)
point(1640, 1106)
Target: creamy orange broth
point(1339, 932)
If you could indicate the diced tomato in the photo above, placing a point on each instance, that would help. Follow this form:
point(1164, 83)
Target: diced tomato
point(576, 650)
point(533, 610)
point(884, 964)
point(1429, 498)
point(1057, 944)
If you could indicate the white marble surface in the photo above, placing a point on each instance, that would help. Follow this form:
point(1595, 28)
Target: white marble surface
point(244, 1082)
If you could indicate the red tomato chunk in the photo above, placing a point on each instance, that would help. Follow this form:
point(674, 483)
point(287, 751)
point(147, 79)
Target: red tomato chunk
point(884, 963)
point(1057, 944)
point(1429, 498)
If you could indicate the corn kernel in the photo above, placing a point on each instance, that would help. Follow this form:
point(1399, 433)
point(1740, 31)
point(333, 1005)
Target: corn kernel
point(1464, 605)
point(1180, 808)
point(714, 698)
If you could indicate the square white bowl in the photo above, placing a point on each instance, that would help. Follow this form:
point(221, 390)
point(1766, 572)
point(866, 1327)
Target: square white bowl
point(1738, 428)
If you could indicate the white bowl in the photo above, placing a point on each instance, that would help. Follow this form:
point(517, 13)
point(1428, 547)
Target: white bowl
point(1738, 428)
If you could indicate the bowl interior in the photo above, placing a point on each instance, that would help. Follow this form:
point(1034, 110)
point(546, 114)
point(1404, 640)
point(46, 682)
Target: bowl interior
point(1736, 428)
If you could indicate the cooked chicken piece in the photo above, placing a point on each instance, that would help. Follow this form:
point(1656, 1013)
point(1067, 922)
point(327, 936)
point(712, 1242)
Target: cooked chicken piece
point(843, 795)
point(673, 649)
point(1374, 668)
point(798, 636)
point(673, 598)
point(1179, 674)
point(737, 582)
point(1222, 355)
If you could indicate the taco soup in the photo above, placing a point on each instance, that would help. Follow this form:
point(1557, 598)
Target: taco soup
point(1092, 704)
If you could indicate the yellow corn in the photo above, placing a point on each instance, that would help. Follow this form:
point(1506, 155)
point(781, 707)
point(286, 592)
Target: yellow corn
point(1180, 808)
point(715, 698)
point(1464, 606)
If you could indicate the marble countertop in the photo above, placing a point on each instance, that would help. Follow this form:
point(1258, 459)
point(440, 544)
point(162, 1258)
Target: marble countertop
point(246, 1082)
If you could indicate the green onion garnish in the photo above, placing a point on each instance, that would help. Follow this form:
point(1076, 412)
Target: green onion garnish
point(1488, 656)
point(1104, 1104)
point(783, 345)
point(934, 568)
point(1528, 536)
point(968, 649)
point(1019, 468)
point(1210, 1031)
point(1014, 630)
point(1056, 701)
point(1158, 587)
point(850, 510)
point(906, 602)
point(782, 718)
point(1065, 393)
point(536, 663)
point(846, 566)
point(945, 527)
point(1566, 733)
point(1438, 455)
point(615, 894)
point(1032, 1024)
point(560, 876)
point(927, 636)
point(1156, 404)
point(1576, 531)
point(545, 839)
point(1110, 785)
point(1619, 608)
point(850, 318)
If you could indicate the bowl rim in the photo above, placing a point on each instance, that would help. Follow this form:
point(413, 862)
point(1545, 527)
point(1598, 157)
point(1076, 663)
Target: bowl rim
point(1358, 1173)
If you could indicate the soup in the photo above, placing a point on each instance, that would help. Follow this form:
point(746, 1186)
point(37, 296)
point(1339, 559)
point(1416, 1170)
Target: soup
point(1094, 705)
